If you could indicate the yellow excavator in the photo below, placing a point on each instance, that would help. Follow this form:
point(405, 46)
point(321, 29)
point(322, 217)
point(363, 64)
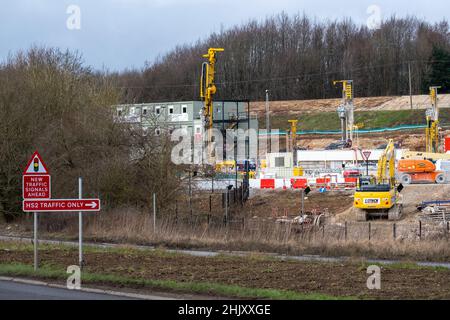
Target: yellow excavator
point(378, 197)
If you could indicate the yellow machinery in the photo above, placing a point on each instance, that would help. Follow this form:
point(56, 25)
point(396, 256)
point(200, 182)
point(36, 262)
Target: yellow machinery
point(227, 166)
point(432, 129)
point(379, 196)
point(293, 133)
point(298, 170)
point(346, 109)
point(208, 87)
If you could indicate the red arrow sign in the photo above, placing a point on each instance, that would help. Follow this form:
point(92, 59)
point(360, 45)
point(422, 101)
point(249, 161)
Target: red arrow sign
point(59, 205)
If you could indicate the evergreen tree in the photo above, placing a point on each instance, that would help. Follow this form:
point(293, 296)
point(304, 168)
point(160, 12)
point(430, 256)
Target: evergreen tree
point(440, 69)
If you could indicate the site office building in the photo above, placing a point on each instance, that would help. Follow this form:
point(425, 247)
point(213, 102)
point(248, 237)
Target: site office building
point(167, 116)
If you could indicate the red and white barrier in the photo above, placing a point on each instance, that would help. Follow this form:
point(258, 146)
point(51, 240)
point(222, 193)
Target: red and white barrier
point(301, 183)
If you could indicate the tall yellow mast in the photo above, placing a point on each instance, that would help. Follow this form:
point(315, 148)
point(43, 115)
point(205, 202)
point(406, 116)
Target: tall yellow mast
point(346, 109)
point(207, 87)
point(432, 129)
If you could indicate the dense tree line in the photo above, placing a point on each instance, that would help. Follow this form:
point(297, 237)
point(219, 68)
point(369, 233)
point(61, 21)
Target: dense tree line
point(297, 57)
point(50, 102)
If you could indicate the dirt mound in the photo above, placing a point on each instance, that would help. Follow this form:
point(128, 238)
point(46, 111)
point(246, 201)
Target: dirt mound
point(411, 139)
point(294, 107)
point(268, 203)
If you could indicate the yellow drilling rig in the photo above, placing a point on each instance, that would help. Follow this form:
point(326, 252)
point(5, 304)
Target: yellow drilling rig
point(293, 134)
point(432, 147)
point(432, 129)
point(208, 88)
point(346, 111)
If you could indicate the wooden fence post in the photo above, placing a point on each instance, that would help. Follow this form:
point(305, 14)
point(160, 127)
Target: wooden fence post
point(345, 230)
point(420, 229)
point(369, 230)
point(176, 211)
point(394, 231)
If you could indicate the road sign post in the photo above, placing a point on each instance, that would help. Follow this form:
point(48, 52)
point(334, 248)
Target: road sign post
point(366, 154)
point(35, 240)
point(36, 184)
point(80, 224)
point(36, 192)
point(154, 213)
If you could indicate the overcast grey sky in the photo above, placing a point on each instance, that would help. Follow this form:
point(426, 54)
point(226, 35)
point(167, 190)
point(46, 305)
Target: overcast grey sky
point(119, 34)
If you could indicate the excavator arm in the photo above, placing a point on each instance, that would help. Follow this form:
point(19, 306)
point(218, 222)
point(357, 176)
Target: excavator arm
point(387, 158)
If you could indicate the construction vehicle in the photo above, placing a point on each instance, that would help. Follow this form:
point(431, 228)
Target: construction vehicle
point(227, 166)
point(293, 134)
point(346, 110)
point(208, 89)
point(298, 170)
point(432, 129)
point(379, 196)
point(419, 171)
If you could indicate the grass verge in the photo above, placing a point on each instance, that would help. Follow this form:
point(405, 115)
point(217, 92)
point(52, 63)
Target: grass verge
point(55, 273)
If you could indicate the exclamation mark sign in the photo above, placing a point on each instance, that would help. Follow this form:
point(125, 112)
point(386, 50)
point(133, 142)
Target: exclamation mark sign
point(36, 164)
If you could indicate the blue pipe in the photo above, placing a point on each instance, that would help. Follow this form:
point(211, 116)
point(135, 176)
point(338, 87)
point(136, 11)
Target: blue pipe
point(307, 132)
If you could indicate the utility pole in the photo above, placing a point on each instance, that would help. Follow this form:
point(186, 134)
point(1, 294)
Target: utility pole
point(303, 200)
point(269, 142)
point(154, 213)
point(410, 85)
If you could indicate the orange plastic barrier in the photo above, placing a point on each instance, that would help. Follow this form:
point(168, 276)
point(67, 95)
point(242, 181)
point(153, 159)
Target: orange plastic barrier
point(267, 183)
point(299, 183)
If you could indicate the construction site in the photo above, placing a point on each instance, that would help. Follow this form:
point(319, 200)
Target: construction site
point(396, 177)
point(277, 165)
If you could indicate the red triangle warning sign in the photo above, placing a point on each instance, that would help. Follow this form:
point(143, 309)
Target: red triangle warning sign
point(36, 165)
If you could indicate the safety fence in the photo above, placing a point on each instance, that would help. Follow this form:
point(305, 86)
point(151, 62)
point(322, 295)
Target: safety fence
point(345, 231)
point(327, 183)
point(267, 229)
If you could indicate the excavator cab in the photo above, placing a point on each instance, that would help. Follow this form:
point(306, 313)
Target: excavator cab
point(378, 196)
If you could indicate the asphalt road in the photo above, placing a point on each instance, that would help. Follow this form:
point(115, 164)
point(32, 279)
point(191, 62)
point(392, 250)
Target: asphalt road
point(19, 291)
